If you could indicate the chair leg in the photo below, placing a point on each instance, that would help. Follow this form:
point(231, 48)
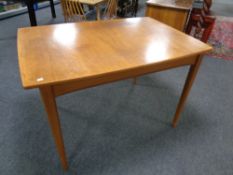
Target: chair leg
point(136, 8)
point(207, 32)
point(189, 27)
point(52, 9)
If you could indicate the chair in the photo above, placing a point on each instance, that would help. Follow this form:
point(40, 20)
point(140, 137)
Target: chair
point(72, 10)
point(134, 7)
point(202, 22)
point(111, 10)
point(203, 27)
point(126, 7)
point(206, 7)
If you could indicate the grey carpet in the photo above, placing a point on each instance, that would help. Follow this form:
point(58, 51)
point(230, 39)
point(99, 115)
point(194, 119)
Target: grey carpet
point(118, 128)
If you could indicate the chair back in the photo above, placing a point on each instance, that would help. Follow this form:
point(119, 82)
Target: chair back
point(207, 5)
point(72, 10)
point(202, 25)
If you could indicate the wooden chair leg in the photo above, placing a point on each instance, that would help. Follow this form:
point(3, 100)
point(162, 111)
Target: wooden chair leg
point(187, 87)
point(98, 12)
point(189, 27)
point(49, 101)
point(207, 32)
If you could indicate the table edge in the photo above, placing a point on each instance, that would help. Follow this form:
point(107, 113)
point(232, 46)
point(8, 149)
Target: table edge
point(170, 7)
point(113, 72)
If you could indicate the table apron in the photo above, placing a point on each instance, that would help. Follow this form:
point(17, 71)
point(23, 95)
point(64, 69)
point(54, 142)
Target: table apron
point(68, 87)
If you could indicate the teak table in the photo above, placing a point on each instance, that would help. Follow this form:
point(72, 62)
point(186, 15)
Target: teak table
point(59, 59)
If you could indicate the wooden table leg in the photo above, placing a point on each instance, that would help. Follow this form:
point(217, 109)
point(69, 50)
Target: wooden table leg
point(187, 87)
point(97, 12)
point(49, 101)
point(52, 9)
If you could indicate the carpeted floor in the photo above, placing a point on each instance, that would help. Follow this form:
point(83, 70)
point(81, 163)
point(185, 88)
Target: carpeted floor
point(221, 38)
point(118, 128)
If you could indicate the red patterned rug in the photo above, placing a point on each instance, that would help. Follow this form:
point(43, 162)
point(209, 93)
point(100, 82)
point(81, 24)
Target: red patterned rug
point(221, 38)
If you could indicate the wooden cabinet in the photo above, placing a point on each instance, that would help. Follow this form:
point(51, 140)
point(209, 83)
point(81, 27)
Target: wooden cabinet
point(171, 12)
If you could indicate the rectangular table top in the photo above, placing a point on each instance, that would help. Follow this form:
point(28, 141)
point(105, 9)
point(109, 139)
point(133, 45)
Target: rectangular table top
point(54, 54)
point(177, 4)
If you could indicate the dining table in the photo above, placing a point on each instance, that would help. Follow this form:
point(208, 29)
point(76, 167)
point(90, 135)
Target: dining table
point(64, 58)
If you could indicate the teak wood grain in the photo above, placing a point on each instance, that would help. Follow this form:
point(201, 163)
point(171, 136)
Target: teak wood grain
point(49, 101)
point(173, 17)
point(187, 87)
point(50, 55)
point(59, 59)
